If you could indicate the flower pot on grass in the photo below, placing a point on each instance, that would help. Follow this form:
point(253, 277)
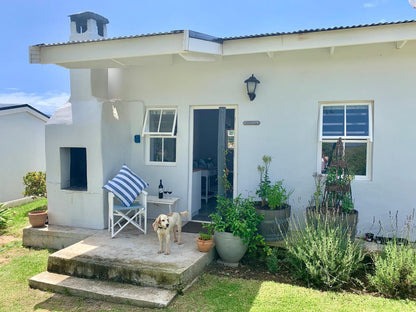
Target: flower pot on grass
point(37, 218)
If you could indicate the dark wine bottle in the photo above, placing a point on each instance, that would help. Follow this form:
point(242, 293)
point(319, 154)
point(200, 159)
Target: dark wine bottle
point(160, 189)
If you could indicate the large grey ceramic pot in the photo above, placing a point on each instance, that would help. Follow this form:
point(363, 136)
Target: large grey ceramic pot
point(275, 224)
point(229, 247)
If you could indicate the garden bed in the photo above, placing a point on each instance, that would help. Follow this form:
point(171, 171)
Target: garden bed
point(253, 269)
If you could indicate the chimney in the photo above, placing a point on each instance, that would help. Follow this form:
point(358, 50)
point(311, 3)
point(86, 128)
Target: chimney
point(88, 26)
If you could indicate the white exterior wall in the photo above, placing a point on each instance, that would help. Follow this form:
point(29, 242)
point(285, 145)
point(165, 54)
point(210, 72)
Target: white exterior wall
point(82, 128)
point(22, 141)
point(287, 105)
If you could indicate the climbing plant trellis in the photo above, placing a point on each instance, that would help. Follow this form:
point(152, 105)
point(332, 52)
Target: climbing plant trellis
point(337, 193)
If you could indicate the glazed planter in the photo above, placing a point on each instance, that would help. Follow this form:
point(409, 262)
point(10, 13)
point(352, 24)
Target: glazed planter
point(275, 224)
point(204, 245)
point(37, 218)
point(230, 248)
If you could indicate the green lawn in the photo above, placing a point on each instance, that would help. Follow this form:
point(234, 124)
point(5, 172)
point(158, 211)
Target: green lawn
point(210, 293)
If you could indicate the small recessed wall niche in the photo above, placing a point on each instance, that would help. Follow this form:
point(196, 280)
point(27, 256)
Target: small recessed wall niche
point(73, 168)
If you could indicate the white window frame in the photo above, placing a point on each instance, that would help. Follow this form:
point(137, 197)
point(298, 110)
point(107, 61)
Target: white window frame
point(162, 135)
point(348, 139)
point(146, 130)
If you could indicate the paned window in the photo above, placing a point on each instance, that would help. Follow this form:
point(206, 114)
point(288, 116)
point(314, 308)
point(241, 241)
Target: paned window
point(352, 122)
point(160, 127)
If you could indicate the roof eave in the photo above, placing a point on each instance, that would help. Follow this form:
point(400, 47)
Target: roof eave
point(183, 43)
point(322, 39)
point(178, 42)
point(20, 108)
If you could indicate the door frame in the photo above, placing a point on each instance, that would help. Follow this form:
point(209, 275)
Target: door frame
point(191, 147)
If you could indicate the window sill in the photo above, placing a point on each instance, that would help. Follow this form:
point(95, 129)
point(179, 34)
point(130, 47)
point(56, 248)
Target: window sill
point(161, 164)
point(75, 189)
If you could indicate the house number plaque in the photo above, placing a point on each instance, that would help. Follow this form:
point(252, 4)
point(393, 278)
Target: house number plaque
point(251, 122)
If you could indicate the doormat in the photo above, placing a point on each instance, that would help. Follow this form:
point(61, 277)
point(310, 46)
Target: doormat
point(193, 227)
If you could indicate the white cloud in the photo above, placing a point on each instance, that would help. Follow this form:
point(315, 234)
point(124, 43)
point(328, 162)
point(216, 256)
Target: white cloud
point(374, 3)
point(370, 4)
point(47, 103)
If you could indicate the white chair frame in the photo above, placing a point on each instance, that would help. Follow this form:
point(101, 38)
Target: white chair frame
point(119, 216)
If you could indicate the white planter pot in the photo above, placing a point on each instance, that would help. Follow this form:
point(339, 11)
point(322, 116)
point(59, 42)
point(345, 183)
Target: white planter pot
point(230, 248)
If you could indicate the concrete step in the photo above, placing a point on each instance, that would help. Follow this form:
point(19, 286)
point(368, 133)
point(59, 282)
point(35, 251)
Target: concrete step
point(148, 297)
point(132, 258)
point(54, 236)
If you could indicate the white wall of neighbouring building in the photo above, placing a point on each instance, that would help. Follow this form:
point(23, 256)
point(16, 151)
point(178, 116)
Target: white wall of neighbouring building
point(22, 149)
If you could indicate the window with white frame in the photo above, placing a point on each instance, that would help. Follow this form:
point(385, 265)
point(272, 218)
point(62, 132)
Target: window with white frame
point(159, 128)
point(353, 123)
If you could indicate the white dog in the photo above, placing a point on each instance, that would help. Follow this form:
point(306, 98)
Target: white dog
point(164, 224)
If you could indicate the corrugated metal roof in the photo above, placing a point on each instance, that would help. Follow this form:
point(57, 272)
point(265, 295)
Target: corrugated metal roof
point(211, 38)
point(317, 30)
point(110, 39)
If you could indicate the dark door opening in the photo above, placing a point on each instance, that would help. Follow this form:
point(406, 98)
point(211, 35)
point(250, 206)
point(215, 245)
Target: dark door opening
point(213, 152)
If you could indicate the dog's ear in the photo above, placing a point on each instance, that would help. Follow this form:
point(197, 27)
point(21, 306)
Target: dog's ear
point(156, 224)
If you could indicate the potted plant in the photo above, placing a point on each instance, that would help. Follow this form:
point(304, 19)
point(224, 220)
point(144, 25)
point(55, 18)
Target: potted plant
point(205, 241)
point(37, 218)
point(235, 226)
point(336, 197)
point(273, 204)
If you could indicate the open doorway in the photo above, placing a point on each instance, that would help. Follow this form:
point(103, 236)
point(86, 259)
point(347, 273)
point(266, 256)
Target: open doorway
point(213, 151)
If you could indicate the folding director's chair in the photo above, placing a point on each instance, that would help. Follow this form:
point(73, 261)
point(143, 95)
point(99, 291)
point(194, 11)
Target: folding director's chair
point(120, 216)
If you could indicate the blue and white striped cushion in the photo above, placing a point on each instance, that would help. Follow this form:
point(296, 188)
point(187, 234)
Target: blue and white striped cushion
point(126, 186)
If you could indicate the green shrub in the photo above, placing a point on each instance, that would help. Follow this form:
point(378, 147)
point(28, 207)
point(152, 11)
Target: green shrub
point(238, 216)
point(322, 253)
point(35, 184)
point(275, 259)
point(4, 217)
point(395, 271)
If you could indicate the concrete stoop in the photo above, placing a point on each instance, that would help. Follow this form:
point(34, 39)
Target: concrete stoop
point(54, 237)
point(124, 267)
point(148, 297)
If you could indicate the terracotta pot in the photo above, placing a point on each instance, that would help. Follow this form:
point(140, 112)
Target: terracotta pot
point(204, 245)
point(37, 218)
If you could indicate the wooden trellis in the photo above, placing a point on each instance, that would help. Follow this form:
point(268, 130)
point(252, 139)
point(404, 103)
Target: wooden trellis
point(334, 193)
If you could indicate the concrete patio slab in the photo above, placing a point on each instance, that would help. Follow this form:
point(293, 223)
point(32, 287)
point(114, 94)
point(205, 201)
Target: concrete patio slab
point(131, 257)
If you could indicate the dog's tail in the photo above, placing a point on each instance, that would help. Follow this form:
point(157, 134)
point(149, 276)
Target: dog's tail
point(184, 213)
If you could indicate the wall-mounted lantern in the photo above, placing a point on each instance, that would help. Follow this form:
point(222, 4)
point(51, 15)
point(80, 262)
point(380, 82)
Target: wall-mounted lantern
point(251, 86)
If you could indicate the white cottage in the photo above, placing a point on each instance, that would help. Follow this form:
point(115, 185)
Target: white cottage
point(22, 141)
point(315, 86)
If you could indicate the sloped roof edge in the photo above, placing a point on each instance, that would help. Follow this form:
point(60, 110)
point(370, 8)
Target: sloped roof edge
point(202, 36)
point(16, 106)
point(318, 30)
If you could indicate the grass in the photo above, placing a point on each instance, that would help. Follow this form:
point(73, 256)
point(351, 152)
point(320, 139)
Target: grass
point(210, 293)
point(19, 218)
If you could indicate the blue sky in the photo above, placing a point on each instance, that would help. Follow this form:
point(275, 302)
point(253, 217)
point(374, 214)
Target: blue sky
point(46, 87)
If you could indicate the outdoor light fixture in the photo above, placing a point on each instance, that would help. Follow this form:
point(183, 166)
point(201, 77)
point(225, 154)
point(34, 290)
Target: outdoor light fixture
point(413, 3)
point(251, 87)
